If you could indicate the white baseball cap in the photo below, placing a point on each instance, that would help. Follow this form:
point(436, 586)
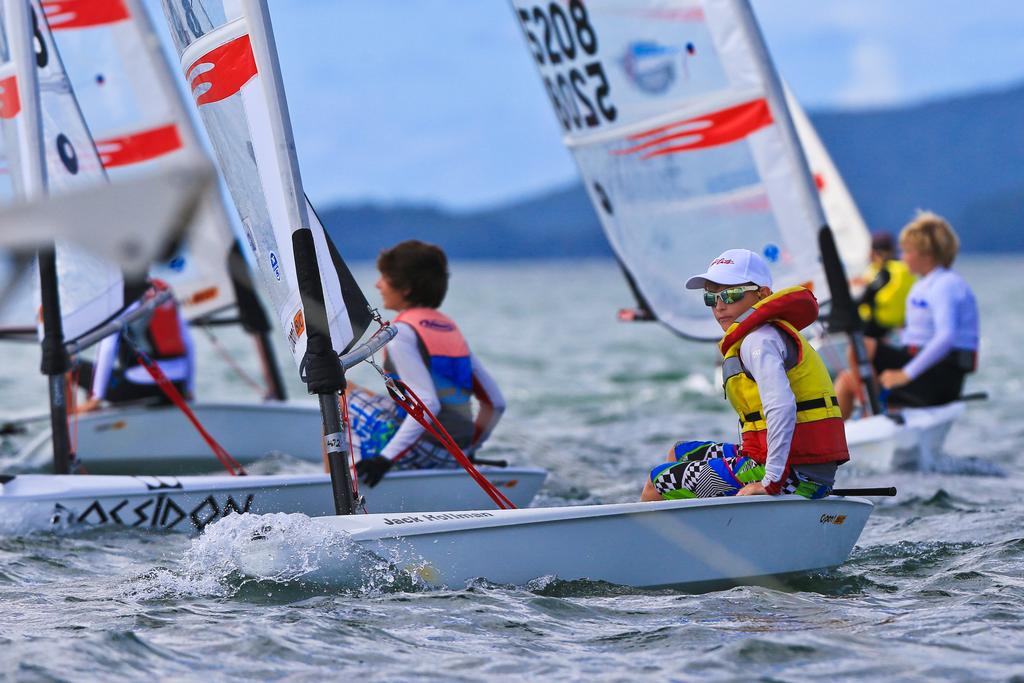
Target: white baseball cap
point(734, 267)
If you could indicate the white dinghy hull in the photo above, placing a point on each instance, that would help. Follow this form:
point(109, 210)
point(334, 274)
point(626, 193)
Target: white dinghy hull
point(45, 502)
point(872, 442)
point(912, 439)
point(161, 440)
point(696, 544)
point(920, 438)
point(32, 503)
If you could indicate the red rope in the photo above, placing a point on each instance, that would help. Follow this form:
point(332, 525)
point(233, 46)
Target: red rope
point(351, 455)
point(71, 391)
point(417, 410)
point(230, 464)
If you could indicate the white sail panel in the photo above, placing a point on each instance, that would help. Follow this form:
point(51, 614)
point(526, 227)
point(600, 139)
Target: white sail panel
point(682, 139)
point(237, 105)
point(139, 121)
point(90, 289)
point(10, 107)
point(853, 239)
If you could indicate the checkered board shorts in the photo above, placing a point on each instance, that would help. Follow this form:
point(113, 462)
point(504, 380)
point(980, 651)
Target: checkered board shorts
point(707, 469)
point(375, 418)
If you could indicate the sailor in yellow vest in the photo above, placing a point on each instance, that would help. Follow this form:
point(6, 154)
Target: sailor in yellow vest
point(792, 435)
point(432, 357)
point(883, 305)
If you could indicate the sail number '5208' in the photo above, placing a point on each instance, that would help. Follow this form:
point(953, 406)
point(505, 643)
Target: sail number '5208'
point(564, 44)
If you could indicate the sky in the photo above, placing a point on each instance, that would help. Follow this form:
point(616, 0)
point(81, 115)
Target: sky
point(438, 101)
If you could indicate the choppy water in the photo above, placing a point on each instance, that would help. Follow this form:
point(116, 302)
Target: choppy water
point(933, 591)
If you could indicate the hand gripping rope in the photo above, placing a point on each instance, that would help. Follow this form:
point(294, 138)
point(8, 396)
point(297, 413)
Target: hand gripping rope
point(417, 410)
point(230, 464)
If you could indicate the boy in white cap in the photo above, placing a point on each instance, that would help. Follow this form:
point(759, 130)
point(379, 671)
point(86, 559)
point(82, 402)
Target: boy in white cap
point(792, 431)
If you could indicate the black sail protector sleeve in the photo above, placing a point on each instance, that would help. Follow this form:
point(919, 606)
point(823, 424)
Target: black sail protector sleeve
point(322, 371)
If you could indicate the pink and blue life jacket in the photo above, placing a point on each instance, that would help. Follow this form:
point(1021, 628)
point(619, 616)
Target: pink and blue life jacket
point(446, 355)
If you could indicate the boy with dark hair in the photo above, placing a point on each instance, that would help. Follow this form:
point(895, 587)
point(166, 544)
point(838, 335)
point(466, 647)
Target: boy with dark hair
point(432, 357)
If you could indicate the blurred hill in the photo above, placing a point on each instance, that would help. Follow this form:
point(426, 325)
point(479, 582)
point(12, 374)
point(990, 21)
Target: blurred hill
point(962, 157)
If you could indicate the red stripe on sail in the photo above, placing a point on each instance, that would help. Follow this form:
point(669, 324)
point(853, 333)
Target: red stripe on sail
point(700, 132)
point(138, 147)
point(819, 181)
point(691, 14)
point(65, 14)
point(232, 65)
point(10, 103)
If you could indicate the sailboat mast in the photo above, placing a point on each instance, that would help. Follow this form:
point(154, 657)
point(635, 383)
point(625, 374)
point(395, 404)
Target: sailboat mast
point(844, 315)
point(55, 362)
point(324, 374)
point(22, 32)
point(254, 321)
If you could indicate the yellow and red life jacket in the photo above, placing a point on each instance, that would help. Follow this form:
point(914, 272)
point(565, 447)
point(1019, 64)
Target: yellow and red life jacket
point(888, 308)
point(819, 435)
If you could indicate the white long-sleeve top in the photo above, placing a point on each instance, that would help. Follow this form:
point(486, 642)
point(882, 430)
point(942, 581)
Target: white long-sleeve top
point(763, 353)
point(404, 353)
point(942, 315)
point(176, 369)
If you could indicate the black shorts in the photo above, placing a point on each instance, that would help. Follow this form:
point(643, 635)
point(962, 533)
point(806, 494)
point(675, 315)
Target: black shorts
point(939, 384)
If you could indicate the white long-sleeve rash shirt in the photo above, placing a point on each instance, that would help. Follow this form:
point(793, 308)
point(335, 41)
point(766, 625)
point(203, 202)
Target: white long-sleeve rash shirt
point(404, 353)
point(763, 353)
point(942, 315)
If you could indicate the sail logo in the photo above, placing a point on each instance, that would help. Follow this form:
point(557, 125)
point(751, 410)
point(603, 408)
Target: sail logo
point(66, 14)
point(295, 329)
point(161, 512)
point(10, 103)
point(438, 325)
point(222, 71)
point(652, 67)
point(205, 294)
point(700, 132)
point(139, 146)
point(275, 266)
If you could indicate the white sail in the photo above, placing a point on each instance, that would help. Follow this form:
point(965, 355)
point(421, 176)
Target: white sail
point(153, 211)
point(138, 118)
point(82, 217)
point(229, 61)
point(91, 289)
point(680, 131)
point(852, 236)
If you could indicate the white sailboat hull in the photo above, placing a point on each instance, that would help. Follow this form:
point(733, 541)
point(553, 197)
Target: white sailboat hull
point(44, 502)
point(920, 438)
point(872, 442)
point(697, 544)
point(161, 440)
point(881, 444)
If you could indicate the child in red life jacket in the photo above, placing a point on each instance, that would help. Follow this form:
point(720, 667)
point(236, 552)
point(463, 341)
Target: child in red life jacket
point(117, 376)
point(792, 436)
point(432, 357)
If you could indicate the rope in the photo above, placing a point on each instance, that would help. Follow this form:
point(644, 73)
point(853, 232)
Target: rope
point(351, 457)
point(71, 391)
point(230, 464)
point(223, 352)
point(416, 409)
